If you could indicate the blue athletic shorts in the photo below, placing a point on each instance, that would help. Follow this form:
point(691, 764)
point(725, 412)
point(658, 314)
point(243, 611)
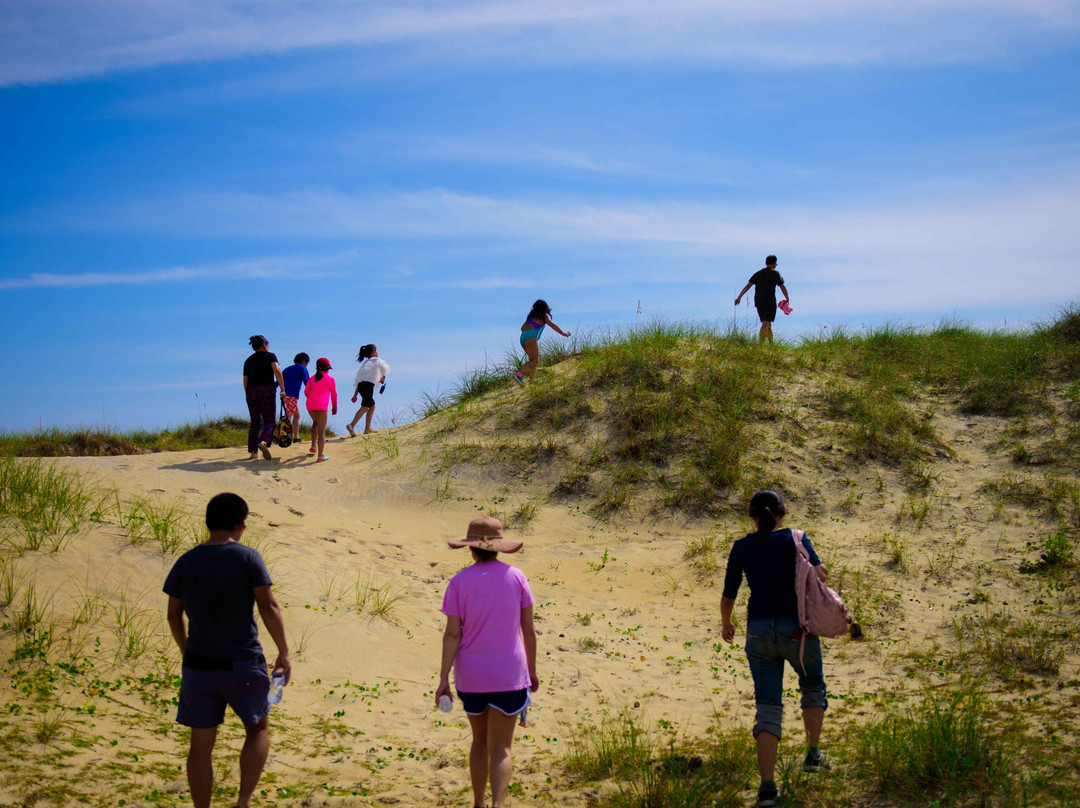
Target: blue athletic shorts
point(204, 694)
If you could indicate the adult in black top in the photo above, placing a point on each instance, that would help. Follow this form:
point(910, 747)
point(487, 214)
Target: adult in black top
point(261, 370)
point(765, 282)
point(774, 636)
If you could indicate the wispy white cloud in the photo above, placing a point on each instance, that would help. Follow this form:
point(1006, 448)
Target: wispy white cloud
point(980, 243)
point(307, 267)
point(505, 150)
point(51, 40)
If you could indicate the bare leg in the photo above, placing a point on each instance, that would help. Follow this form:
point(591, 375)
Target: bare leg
point(813, 718)
point(478, 756)
point(296, 425)
point(252, 760)
point(355, 420)
point(767, 744)
point(500, 763)
point(532, 350)
point(766, 332)
point(319, 430)
point(367, 424)
point(200, 767)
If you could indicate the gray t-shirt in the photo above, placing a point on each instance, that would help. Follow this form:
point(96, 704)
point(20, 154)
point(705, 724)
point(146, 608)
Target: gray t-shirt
point(217, 584)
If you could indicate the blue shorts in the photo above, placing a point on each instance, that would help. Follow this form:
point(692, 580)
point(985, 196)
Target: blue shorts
point(204, 694)
point(769, 643)
point(507, 702)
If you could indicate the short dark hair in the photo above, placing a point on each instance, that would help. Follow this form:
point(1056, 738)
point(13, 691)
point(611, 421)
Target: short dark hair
point(301, 358)
point(484, 556)
point(256, 341)
point(770, 259)
point(226, 512)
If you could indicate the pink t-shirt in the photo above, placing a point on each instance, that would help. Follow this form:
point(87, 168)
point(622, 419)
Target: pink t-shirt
point(489, 598)
point(320, 393)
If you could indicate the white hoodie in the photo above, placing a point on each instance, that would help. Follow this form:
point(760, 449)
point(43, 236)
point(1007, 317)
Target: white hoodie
point(372, 370)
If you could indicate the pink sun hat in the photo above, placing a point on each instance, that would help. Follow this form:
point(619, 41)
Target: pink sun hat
point(485, 533)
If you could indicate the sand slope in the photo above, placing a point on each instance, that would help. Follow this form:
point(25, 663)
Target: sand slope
point(624, 618)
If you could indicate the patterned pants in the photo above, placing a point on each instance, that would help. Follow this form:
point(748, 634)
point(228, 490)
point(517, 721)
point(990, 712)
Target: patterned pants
point(260, 401)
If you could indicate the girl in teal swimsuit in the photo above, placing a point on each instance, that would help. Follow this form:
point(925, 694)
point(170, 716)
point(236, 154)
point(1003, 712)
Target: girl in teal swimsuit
point(531, 329)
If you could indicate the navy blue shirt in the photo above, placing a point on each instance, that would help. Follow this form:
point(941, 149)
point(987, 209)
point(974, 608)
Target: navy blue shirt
point(769, 565)
point(217, 584)
point(295, 377)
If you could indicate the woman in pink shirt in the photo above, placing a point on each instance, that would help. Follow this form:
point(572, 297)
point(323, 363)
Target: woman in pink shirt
point(320, 391)
point(491, 644)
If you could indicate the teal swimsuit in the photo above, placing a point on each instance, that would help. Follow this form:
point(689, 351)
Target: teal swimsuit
point(532, 333)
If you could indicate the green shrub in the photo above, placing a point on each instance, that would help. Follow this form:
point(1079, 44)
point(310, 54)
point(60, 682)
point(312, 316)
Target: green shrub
point(953, 748)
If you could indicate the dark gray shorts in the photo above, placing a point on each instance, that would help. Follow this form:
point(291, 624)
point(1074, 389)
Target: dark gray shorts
point(204, 694)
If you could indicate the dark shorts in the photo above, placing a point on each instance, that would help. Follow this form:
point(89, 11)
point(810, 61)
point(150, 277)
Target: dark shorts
point(367, 393)
point(766, 311)
point(507, 702)
point(204, 694)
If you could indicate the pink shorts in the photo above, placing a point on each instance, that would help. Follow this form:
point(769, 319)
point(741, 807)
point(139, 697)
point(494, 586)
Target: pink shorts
point(292, 405)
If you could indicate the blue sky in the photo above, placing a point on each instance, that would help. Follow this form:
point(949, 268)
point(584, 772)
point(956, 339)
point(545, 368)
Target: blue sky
point(178, 175)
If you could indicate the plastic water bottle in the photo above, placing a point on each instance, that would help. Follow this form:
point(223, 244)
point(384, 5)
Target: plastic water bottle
point(446, 704)
point(277, 688)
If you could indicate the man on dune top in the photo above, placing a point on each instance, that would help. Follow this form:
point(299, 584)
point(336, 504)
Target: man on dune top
point(765, 282)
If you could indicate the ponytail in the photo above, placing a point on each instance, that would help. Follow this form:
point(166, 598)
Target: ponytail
point(766, 506)
point(766, 523)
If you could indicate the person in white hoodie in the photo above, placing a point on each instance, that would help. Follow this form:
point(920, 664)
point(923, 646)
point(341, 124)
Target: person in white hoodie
point(372, 371)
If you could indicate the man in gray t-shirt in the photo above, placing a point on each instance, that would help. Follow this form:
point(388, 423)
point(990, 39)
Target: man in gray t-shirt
point(765, 282)
point(216, 586)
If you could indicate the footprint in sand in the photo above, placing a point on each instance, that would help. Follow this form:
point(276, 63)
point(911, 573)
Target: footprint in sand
point(191, 490)
point(333, 480)
point(295, 512)
point(275, 500)
point(157, 490)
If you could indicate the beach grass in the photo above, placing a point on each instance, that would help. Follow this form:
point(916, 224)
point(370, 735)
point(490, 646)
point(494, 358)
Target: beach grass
point(215, 433)
point(673, 412)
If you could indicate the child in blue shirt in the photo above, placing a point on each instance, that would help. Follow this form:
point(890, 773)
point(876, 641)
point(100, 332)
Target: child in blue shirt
point(296, 376)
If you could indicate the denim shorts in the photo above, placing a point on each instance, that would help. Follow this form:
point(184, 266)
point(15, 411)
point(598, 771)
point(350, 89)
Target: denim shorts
point(769, 642)
point(507, 702)
point(204, 694)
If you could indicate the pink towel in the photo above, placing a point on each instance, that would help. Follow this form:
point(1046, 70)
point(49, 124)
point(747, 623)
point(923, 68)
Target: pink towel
point(784, 306)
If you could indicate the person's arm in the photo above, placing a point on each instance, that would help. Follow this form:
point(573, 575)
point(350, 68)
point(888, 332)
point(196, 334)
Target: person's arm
point(727, 606)
point(174, 613)
point(819, 567)
point(551, 322)
point(270, 613)
point(451, 641)
point(280, 379)
point(745, 289)
point(528, 635)
point(333, 394)
point(784, 290)
point(245, 383)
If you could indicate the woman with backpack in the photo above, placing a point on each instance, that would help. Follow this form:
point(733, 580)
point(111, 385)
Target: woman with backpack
point(774, 634)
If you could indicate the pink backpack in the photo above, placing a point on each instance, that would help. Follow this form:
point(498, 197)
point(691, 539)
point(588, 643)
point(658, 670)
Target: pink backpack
point(821, 610)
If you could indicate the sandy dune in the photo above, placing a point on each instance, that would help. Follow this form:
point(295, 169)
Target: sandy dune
point(625, 620)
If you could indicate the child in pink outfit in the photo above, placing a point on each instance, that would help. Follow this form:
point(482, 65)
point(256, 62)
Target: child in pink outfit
point(490, 643)
point(320, 391)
